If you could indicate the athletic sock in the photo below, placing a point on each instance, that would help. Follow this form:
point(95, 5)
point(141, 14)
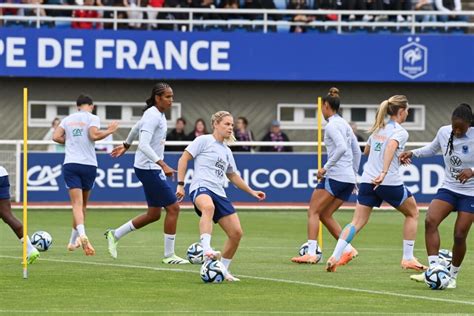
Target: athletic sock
point(226, 262)
point(206, 242)
point(123, 230)
point(169, 244)
point(81, 229)
point(433, 261)
point(29, 245)
point(408, 246)
point(74, 235)
point(312, 246)
point(454, 271)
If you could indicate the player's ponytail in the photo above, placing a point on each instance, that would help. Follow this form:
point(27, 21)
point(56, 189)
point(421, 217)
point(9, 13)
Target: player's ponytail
point(388, 107)
point(462, 112)
point(216, 118)
point(333, 99)
point(158, 89)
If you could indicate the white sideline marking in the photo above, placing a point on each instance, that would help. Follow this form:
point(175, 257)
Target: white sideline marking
point(416, 297)
point(211, 312)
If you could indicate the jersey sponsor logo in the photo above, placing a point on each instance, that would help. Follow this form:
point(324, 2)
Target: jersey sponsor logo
point(77, 132)
point(378, 147)
point(455, 161)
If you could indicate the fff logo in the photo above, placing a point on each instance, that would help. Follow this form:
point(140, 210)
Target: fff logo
point(413, 59)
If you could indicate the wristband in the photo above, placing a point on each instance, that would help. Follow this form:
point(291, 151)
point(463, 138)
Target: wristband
point(127, 146)
point(181, 183)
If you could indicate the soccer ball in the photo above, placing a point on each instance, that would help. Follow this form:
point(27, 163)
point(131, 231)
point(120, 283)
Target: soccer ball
point(445, 258)
point(212, 272)
point(41, 240)
point(195, 253)
point(304, 250)
point(437, 278)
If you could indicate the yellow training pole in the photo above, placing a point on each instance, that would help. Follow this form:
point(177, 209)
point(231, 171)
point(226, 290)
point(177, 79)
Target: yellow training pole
point(320, 161)
point(25, 179)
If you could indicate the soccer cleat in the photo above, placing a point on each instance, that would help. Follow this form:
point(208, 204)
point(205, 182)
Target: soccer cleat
point(112, 243)
point(451, 284)
point(305, 259)
point(72, 247)
point(347, 257)
point(331, 264)
point(212, 255)
point(32, 256)
point(413, 264)
point(174, 259)
point(86, 245)
point(230, 278)
point(418, 277)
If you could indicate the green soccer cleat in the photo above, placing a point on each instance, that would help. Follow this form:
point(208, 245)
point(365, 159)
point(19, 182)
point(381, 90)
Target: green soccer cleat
point(32, 256)
point(112, 241)
point(451, 284)
point(418, 277)
point(174, 259)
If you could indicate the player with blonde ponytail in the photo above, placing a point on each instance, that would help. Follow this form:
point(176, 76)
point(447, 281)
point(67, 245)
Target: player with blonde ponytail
point(381, 181)
point(213, 165)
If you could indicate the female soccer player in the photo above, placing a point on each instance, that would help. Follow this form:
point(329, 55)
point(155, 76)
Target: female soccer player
point(7, 216)
point(213, 163)
point(381, 181)
point(152, 171)
point(456, 192)
point(78, 132)
point(336, 183)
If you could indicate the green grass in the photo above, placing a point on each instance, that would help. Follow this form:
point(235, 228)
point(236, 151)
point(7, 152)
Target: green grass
point(137, 283)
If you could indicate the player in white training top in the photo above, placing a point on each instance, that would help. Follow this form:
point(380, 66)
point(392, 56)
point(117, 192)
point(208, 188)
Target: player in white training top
point(7, 216)
point(456, 143)
point(78, 132)
point(338, 179)
point(213, 165)
point(381, 181)
point(152, 170)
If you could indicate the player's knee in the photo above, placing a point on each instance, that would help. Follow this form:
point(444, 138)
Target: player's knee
point(459, 237)
point(236, 235)
point(153, 217)
point(430, 224)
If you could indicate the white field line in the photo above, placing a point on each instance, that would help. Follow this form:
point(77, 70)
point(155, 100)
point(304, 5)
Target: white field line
point(349, 289)
point(233, 312)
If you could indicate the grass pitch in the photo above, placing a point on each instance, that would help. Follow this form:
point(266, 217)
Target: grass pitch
point(138, 283)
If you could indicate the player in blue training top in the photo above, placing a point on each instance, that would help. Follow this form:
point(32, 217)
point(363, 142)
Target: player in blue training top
point(456, 142)
point(78, 132)
point(213, 165)
point(381, 181)
point(152, 171)
point(338, 178)
point(7, 216)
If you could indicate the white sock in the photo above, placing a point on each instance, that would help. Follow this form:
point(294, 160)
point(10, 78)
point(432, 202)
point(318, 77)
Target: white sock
point(81, 229)
point(408, 246)
point(226, 262)
point(340, 246)
point(169, 245)
point(206, 242)
point(348, 248)
point(123, 230)
point(454, 271)
point(74, 235)
point(433, 261)
point(29, 245)
point(312, 245)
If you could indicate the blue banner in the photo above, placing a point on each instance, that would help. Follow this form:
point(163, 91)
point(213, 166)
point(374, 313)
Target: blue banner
point(284, 178)
point(235, 56)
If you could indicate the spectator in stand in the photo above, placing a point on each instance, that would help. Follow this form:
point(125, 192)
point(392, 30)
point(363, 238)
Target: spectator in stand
point(199, 129)
point(121, 15)
point(391, 5)
point(424, 5)
point(260, 4)
point(229, 4)
point(132, 13)
point(301, 18)
point(81, 13)
point(177, 133)
point(359, 5)
point(276, 135)
point(56, 12)
point(59, 148)
point(34, 11)
point(153, 14)
point(203, 4)
point(10, 11)
point(452, 8)
point(242, 134)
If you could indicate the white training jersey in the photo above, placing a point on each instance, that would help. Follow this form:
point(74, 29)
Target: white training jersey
point(212, 161)
point(153, 122)
point(342, 149)
point(3, 172)
point(461, 158)
point(378, 142)
point(79, 147)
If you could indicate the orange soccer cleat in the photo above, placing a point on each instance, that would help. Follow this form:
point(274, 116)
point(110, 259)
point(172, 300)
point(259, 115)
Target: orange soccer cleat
point(305, 259)
point(413, 264)
point(347, 257)
point(331, 264)
point(86, 245)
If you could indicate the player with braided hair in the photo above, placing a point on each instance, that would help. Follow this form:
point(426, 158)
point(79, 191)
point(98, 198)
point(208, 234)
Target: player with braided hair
point(152, 170)
point(456, 142)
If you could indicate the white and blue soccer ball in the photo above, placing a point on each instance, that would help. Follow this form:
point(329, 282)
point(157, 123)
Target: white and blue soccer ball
point(195, 253)
point(437, 278)
point(41, 240)
point(213, 271)
point(304, 250)
point(445, 258)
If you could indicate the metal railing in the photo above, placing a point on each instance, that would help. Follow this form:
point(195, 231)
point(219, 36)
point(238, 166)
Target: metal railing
point(258, 19)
